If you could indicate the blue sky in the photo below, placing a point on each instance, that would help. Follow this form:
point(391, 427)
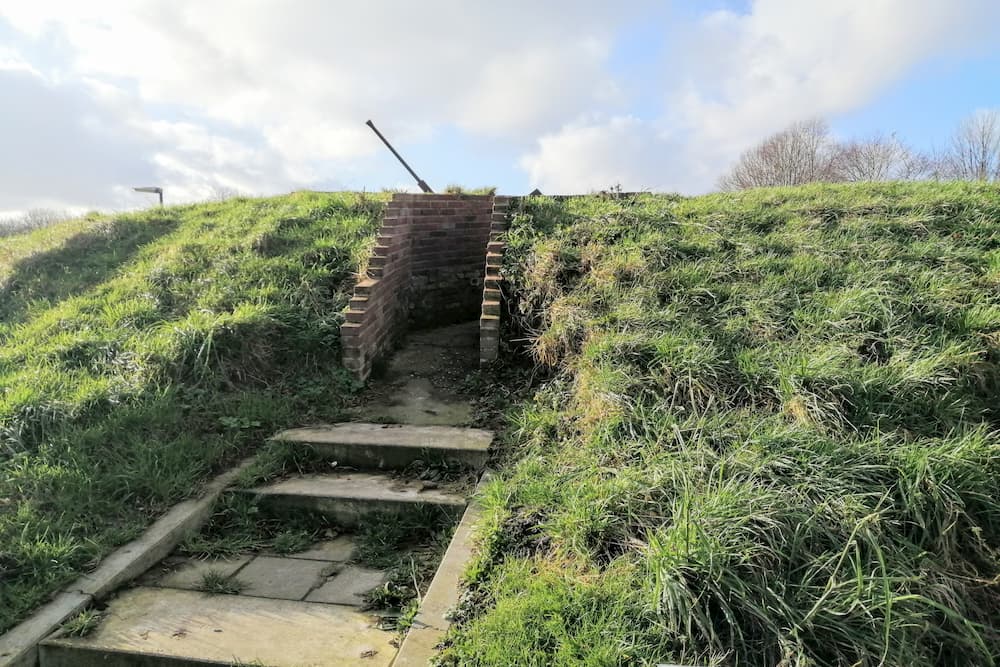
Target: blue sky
point(930, 101)
point(265, 96)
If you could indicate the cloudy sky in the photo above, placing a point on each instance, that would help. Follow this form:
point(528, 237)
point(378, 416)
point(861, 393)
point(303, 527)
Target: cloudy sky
point(266, 96)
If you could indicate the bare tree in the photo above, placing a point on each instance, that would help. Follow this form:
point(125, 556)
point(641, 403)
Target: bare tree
point(879, 158)
point(35, 218)
point(801, 153)
point(974, 152)
point(224, 193)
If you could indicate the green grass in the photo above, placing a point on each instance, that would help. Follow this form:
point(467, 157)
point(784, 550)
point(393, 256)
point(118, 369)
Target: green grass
point(408, 546)
point(217, 583)
point(83, 623)
point(767, 435)
point(140, 353)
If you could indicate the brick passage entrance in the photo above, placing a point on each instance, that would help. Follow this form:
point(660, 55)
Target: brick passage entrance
point(427, 269)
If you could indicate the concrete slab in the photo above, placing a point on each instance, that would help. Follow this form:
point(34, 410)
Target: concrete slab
point(348, 497)
point(190, 573)
point(146, 626)
point(423, 381)
point(349, 586)
point(394, 446)
point(415, 400)
point(337, 550)
point(283, 578)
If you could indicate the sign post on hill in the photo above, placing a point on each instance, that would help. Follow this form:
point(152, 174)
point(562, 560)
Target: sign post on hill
point(155, 191)
point(423, 185)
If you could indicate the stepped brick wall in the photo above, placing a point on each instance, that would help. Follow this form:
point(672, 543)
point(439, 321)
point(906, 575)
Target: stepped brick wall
point(489, 318)
point(426, 269)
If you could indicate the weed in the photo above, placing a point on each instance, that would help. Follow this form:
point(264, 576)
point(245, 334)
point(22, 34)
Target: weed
point(238, 526)
point(217, 583)
point(381, 539)
point(292, 541)
point(83, 623)
point(409, 546)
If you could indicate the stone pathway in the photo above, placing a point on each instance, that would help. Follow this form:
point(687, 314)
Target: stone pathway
point(422, 383)
point(308, 608)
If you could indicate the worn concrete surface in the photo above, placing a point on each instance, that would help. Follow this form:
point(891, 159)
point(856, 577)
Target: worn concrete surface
point(337, 550)
point(422, 383)
point(395, 446)
point(348, 586)
point(348, 497)
point(284, 578)
point(185, 625)
point(190, 573)
point(269, 622)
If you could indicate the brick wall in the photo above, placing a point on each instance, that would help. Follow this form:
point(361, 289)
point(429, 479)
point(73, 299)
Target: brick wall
point(489, 317)
point(426, 270)
point(450, 233)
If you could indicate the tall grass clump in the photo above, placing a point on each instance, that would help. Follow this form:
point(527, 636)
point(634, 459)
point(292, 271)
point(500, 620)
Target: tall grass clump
point(140, 353)
point(769, 436)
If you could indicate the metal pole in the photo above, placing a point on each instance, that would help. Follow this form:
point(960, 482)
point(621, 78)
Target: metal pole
point(152, 190)
point(423, 186)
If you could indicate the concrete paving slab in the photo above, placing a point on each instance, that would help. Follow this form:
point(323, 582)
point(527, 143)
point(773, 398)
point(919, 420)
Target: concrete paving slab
point(395, 446)
point(148, 626)
point(336, 550)
point(190, 573)
point(422, 383)
point(284, 578)
point(348, 497)
point(349, 586)
point(416, 400)
point(419, 437)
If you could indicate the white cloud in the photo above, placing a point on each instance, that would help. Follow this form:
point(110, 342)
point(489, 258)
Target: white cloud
point(60, 148)
point(787, 59)
point(537, 87)
point(233, 91)
point(268, 95)
point(597, 155)
point(735, 78)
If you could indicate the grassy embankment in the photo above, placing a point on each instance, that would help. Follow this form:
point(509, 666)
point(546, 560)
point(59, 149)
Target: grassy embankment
point(139, 353)
point(768, 438)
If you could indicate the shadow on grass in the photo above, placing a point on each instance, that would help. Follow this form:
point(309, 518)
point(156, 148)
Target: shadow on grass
point(83, 261)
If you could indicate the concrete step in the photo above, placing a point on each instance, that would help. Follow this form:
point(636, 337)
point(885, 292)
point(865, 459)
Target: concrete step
point(393, 446)
point(162, 626)
point(347, 498)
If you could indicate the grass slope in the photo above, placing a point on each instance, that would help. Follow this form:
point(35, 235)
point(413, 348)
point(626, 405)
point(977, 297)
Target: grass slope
point(141, 352)
point(769, 436)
